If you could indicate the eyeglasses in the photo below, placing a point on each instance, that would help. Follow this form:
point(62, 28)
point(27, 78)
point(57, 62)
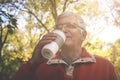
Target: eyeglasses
point(67, 26)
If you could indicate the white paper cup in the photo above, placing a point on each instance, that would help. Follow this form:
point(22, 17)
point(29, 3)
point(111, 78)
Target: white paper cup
point(49, 50)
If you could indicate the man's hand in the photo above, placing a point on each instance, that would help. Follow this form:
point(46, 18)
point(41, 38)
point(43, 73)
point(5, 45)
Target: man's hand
point(37, 58)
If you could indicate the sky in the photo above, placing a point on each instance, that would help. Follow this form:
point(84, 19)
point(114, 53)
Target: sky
point(109, 33)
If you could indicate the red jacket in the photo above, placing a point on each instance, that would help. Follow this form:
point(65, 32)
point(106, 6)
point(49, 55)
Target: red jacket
point(87, 67)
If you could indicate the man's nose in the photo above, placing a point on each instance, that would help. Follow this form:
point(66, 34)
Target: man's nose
point(63, 29)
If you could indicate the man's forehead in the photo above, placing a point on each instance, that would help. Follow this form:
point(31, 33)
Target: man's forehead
point(66, 19)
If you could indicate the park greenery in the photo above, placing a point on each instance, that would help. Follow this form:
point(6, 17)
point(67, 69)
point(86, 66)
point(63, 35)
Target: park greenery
point(23, 22)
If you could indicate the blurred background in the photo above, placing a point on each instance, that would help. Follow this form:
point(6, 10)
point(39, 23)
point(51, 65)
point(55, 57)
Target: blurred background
point(23, 22)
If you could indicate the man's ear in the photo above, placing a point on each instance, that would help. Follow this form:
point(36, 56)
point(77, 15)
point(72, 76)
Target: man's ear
point(84, 33)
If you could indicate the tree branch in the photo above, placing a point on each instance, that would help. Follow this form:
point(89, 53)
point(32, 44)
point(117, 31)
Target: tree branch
point(5, 1)
point(29, 11)
point(2, 43)
point(65, 4)
point(4, 40)
point(53, 8)
point(1, 30)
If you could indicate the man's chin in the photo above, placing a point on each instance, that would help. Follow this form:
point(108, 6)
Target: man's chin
point(67, 44)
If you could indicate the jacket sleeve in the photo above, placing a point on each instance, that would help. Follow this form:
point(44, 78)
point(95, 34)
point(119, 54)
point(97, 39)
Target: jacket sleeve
point(114, 74)
point(25, 72)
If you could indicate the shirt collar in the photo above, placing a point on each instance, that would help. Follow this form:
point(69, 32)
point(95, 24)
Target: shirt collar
point(85, 57)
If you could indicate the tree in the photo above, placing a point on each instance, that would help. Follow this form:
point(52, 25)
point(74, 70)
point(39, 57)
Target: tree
point(8, 23)
point(39, 16)
point(14, 48)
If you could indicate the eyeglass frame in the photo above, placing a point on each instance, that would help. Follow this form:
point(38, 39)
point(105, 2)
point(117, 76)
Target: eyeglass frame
point(68, 24)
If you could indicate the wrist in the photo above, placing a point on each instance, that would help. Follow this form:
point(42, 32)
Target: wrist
point(33, 64)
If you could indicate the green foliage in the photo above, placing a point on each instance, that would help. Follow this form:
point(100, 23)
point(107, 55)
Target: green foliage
point(108, 51)
point(40, 16)
point(117, 65)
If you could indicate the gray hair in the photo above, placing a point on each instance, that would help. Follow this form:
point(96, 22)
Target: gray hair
point(79, 21)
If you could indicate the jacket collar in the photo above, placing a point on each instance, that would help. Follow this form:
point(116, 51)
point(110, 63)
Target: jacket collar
point(85, 57)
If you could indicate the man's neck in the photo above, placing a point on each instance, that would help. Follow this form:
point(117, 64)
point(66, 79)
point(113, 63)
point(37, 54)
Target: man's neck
point(71, 55)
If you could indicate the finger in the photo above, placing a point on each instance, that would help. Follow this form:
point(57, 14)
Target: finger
point(43, 42)
point(49, 36)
